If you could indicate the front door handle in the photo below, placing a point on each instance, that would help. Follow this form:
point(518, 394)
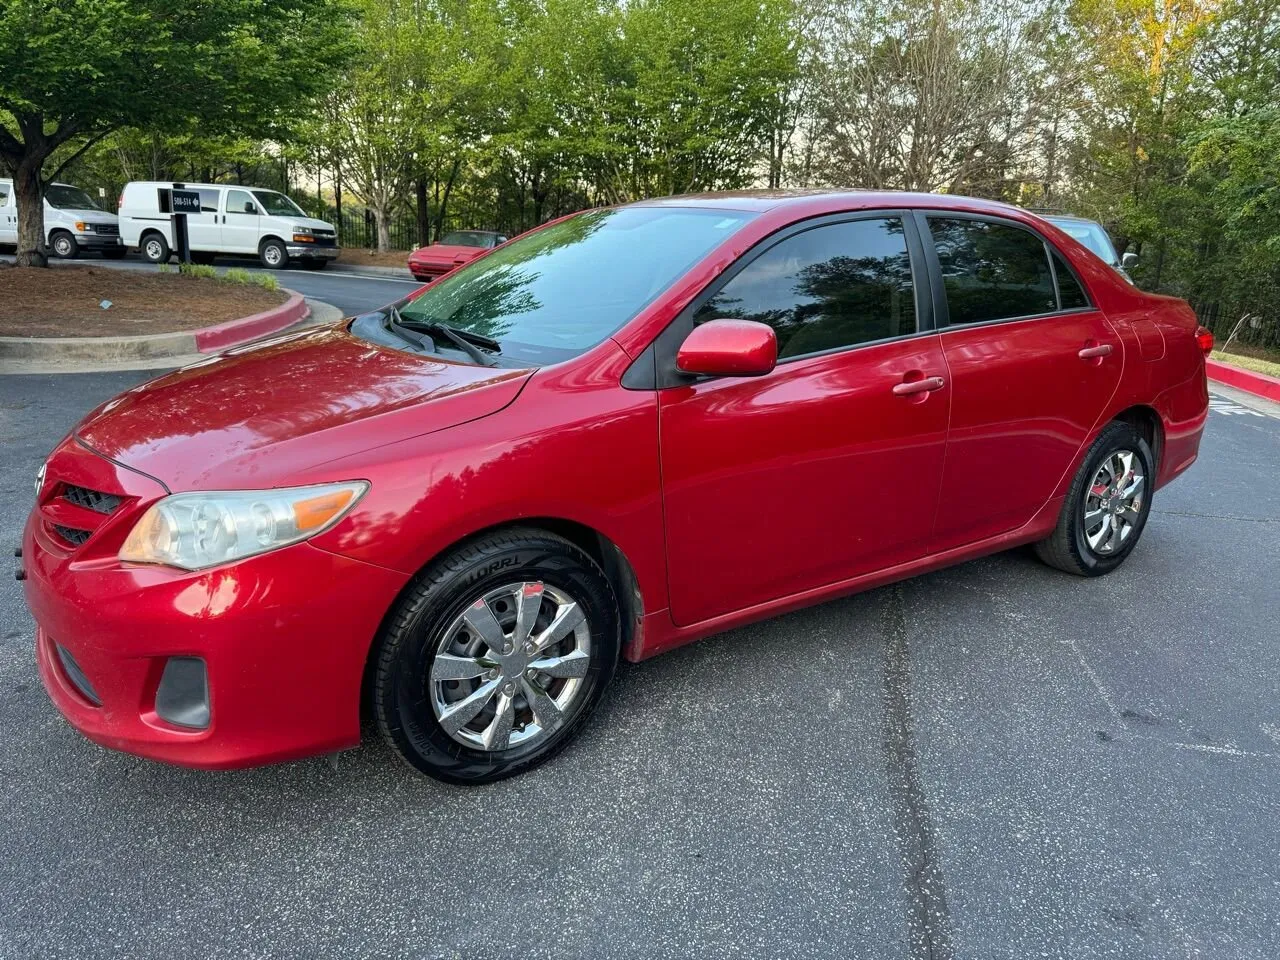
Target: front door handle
point(1098, 350)
point(926, 384)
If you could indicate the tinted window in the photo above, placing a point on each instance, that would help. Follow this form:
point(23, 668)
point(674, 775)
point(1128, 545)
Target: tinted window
point(552, 293)
point(1070, 293)
point(209, 200)
point(467, 238)
point(4, 193)
point(239, 201)
point(65, 197)
point(992, 272)
point(277, 204)
point(828, 287)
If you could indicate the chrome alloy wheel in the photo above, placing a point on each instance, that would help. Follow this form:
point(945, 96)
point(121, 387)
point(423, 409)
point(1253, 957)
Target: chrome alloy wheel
point(508, 669)
point(154, 250)
point(1113, 502)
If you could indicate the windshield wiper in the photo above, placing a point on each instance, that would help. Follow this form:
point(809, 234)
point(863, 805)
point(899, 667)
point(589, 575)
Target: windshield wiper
point(466, 341)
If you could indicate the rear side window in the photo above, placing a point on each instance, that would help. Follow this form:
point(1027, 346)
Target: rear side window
point(828, 287)
point(991, 271)
point(4, 193)
point(1070, 293)
point(209, 200)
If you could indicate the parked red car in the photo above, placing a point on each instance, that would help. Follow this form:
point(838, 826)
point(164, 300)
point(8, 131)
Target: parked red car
point(452, 251)
point(619, 433)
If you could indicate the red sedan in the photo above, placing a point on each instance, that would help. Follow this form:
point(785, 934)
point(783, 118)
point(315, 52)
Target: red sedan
point(619, 433)
point(452, 251)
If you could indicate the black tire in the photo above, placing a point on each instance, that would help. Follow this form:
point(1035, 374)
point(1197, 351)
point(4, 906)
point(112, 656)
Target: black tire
point(1067, 548)
point(273, 254)
point(63, 245)
point(114, 253)
point(407, 648)
point(154, 248)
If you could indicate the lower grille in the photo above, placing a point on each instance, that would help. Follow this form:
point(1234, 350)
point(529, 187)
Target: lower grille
point(71, 534)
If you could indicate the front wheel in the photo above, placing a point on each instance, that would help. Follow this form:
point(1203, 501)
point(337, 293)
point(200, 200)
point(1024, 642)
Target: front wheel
point(1107, 506)
point(64, 245)
point(496, 657)
point(273, 254)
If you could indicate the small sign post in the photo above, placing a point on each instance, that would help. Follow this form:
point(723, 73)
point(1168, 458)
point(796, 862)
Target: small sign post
point(179, 202)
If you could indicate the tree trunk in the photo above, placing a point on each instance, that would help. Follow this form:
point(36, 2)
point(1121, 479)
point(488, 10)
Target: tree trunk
point(423, 211)
point(29, 194)
point(337, 199)
point(384, 228)
point(444, 201)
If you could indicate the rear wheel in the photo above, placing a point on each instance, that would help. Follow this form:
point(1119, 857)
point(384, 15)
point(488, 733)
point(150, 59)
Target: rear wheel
point(155, 248)
point(496, 657)
point(64, 245)
point(273, 254)
point(1107, 506)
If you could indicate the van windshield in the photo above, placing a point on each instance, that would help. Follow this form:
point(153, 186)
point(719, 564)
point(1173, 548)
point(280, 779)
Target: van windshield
point(553, 293)
point(1090, 234)
point(277, 204)
point(64, 197)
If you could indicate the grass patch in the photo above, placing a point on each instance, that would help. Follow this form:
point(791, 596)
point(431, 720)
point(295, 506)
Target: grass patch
point(197, 270)
point(1256, 364)
point(243, 276)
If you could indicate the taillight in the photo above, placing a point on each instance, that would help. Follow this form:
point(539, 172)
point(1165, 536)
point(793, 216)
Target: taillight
point(1204, 340)
point(120, 202)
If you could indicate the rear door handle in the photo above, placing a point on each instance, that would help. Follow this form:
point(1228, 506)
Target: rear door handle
point(1100, 350)
point(918, 386)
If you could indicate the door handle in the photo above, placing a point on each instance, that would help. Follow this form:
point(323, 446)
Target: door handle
point(927, 384)
point(1098, 350)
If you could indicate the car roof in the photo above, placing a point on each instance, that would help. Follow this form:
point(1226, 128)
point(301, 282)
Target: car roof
point(816, 202)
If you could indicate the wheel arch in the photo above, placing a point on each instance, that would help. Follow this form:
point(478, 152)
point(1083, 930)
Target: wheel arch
point(617, 568)
point(265, 239)
point(1147, 422)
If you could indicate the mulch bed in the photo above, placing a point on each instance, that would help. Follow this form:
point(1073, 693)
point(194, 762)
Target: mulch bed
point(359, 257)
point(65, 302)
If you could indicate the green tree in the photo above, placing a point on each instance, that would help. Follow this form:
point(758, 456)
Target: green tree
point(74, 71)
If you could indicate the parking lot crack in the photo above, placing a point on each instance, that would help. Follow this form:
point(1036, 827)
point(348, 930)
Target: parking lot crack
point(929, 922)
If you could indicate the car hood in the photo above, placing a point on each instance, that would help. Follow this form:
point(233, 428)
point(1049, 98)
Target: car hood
point(313, 223)
point(255, 417)
point(89, 216)
point(447, 253)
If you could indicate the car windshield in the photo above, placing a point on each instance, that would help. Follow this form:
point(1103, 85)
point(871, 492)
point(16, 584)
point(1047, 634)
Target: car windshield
point(1090, 234)
point(277, 204)
point(64, 197)
point(467, 238)
point(555, 292)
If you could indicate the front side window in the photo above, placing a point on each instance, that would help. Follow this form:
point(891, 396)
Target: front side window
point(63, 197)
point(829, 287)
point(991, 271)
point(277, 204)
point(553, 293)
point(239, 201)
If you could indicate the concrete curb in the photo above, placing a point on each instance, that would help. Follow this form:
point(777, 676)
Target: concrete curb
point(398, 273)
point(115, 350)
point(1259, 384)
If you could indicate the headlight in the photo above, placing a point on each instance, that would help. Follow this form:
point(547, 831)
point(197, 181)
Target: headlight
point(198, 530)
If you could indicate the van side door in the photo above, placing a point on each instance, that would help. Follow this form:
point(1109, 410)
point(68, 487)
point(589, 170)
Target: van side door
point(240, 226)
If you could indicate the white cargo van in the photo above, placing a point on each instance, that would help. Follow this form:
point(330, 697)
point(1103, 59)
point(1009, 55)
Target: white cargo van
point(233, 219)
point(72, 222)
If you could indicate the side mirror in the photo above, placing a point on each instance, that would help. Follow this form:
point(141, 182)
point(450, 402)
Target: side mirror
point(1129, 261)
point(249, 207)
point(729, 348)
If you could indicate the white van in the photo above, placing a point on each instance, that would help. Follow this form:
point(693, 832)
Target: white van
point(233, 219)
point(72, 222)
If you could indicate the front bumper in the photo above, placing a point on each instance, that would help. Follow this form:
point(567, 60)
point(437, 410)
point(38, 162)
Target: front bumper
point(284, 637)
point(97, 241)
point(305, 251)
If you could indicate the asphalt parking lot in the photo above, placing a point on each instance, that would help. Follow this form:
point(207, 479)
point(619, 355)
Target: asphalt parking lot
point(992, 761)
